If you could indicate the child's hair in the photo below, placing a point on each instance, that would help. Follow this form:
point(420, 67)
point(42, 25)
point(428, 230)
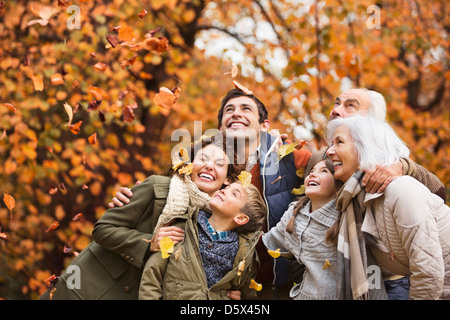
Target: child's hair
point(255, 208)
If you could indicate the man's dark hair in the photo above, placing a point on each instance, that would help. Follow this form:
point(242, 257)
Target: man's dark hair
point(236, 93)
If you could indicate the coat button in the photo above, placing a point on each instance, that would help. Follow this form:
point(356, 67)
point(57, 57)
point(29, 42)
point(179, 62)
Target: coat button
point(127, 289)
point(209, 245)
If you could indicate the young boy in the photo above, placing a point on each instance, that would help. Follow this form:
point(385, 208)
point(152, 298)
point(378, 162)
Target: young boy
point(303, 229)
point(217, 254)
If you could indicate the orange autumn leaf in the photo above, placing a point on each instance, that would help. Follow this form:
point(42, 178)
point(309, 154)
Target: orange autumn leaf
point(96, 92)
point(75, 128)
point(56, 79)
point(53, 226)
point(10, 107)
point(143, 13)
point(126, 33)
point(156, 44)
point(186, 169)
point(166, 98)
point(78, 216)
point(2, 234)
point(52, 191)
point(38, 83)
point(241, 87)
point(100, 66)
point(128, 115)
point(9, 201)
point(93, 138)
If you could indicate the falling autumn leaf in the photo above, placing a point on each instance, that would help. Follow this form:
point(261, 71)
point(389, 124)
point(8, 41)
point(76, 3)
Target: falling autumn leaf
point(128, 115)
point(179, 158)
point(255, 285)
point(166, 246)
point(186, 169)
point(143, 13)
point(69, 111)
point(9, 201)
point(53, 226)
point(286, 149)
point(75, 128)
point(166, 98)
point(242, 88)
point(299, 191)
point(10, 107)
point(43, 11)
point(274, 253)
point(326, 265)
point(56, 79)
point(3, 235)
point(234, 71)
point(126, 33)
point(100, 66)
point(178, 253)
point(78, 216)
point(245, 178)
point(93, 138)
point(52, 191)
point(38, 83)
point(113, 40)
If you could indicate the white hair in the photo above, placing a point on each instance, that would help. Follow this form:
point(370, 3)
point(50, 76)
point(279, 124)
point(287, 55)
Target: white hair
point(375, 141)
point(377, 105)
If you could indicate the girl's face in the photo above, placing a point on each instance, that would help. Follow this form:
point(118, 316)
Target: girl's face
point(320, 182)
point(210, 169)
point(343, 153)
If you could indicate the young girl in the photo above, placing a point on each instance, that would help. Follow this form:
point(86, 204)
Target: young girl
point(303, 229)
point(218, 253)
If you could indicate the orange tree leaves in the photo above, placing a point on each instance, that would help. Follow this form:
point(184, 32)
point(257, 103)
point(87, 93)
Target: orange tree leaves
point(82, 109)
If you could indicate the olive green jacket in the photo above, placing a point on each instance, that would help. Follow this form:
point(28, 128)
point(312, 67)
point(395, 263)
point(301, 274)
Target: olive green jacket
point(111, 266)
point(182, 275)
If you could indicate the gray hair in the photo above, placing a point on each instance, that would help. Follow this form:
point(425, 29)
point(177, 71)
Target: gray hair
point(375, 141)
point(377, 105)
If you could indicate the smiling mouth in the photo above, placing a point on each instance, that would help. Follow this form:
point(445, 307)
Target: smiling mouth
point(337, 163)
point(313, 183)
point(237, 125)
point(206, 176)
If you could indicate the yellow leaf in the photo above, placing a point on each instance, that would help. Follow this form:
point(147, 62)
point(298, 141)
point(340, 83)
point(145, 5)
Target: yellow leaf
point(245, 178)
point(285, 149)
point(299, 191)
point(241, 267)
point(255, 285)
point(166, 246)
point(180, 158)
point(326, 265)
point(186, 169)
point(274, 253)
point(300, 172)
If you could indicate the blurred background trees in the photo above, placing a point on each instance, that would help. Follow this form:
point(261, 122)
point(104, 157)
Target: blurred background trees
point(78, 117)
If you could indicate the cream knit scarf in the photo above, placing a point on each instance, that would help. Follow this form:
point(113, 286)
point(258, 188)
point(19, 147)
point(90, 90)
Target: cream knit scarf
point(183, 193)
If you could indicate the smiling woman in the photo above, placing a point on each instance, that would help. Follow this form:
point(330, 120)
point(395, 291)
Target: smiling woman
point(408, 226)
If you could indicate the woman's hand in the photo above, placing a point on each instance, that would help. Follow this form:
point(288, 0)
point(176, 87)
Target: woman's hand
point(234, 294)
point(122, 197)
point(174, 233)
point(377, 179)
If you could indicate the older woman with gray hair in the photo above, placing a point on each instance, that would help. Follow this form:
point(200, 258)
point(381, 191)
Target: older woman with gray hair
point(407, 228)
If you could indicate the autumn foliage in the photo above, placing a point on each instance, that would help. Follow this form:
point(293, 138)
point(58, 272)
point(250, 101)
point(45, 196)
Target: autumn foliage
point(86, 110)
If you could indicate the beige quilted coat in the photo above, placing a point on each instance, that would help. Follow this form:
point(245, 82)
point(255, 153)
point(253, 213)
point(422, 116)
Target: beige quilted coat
point(413, 224)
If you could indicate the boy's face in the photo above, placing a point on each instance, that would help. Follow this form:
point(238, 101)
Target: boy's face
point(320, 182)
point(241, 119)
point(229, 201)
